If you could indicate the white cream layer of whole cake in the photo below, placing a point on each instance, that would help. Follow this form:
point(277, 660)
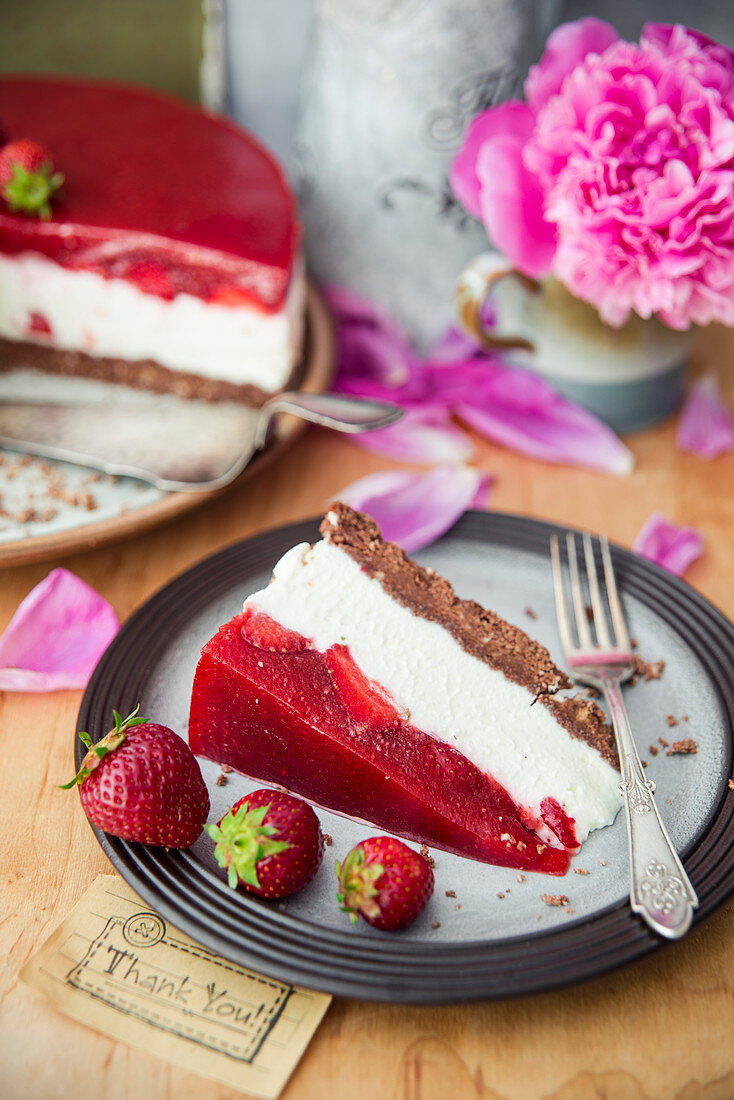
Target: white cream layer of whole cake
point(323, 594)
point(112, 318)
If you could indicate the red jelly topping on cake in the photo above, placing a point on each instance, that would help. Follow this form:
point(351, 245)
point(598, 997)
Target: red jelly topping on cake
point(155, 191)
point(311, 723)
point(558, 820)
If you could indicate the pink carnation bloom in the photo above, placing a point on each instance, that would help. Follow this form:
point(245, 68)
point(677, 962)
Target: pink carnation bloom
point(617, 175)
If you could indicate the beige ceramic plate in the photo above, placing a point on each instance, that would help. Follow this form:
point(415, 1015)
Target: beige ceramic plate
point(52, 508)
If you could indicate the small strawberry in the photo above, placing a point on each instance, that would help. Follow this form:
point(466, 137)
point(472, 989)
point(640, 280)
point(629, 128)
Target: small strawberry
point(365, 701)
point(265, 633)
point(270, 843)
point(27, 178)
point(384, 880)
point(142, 782)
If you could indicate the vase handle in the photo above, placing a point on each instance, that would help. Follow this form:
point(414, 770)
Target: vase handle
point(475, 285)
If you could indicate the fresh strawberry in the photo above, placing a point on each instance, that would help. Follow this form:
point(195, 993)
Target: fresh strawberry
point(270, 843)
point(365, 701)
point(27, 178)
point(142, 782)
point(384, 880)
point(263, 632)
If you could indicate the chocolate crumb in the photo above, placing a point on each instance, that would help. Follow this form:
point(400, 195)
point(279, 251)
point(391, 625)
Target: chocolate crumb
point(568, 909)
point(650, 670)
point(671, 720)
point(633, 643)
point(663, 742)
point(668, 801)
point(436, 924)
point(684, 718)
point(686, 747)
point(458, 905)
point(221, 780)
point(500, 895)
point(653, 750)
point(424, 851)
point(589, 613)
point(226, 768)
point(328, 840)
point(730, 784)
point(581, 871)
point(557, 900)
point(644, 763)
point(451, 893)
point(602, 863)
point(530, 613)
point(521, 878)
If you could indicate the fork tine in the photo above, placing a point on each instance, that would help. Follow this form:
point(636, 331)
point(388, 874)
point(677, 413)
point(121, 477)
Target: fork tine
point(615, 606)
point(582, 623)
point(564, 625)
point(600, 618)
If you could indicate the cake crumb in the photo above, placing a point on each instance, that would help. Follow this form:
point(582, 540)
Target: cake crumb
point(537, 916)
point(581, 871)
point(633, 643)
point(530, 613)
point(686, 747)
point(663, 742)
point(451, 893)
point(458, 905)
point(568, 909)
point(500, 895)
point(684, 718)
point(557, 900)
point(427, 855)
point(602, 863)
point(668, 801)
point(644, 763)
point(730, 784)
point(671, 720)
point(649, 670)
point(221, 780)
point(653, 750)
point(521, 878)
point(328, 840)
point(436, 924)
point(226, 768)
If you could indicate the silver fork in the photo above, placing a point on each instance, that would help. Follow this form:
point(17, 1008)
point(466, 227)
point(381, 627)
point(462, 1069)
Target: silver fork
point(660, 890)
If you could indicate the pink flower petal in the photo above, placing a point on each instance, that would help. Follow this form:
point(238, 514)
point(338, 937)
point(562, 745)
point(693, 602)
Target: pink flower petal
point(674, 548)
point(415, 509)
point(520, 410)
point(426, 433)
point(56, 636)
point(512, 117)
point(566, 47)
point(705, 425)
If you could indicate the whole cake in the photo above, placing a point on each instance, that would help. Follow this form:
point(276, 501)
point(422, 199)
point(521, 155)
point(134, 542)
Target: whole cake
point(359, 680)
point(168, 257)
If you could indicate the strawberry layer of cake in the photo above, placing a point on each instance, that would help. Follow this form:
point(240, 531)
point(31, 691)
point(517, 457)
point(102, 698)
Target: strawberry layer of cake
point(170, 259)
point(359, 680)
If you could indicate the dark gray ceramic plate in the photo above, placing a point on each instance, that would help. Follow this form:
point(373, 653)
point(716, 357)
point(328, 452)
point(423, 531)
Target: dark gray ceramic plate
point(496, 938)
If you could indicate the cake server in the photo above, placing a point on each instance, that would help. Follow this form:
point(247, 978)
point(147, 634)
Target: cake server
point(660, 890)
point(173, 443)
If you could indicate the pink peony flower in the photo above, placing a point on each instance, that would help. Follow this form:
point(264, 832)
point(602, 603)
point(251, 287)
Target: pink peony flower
point(617, 174)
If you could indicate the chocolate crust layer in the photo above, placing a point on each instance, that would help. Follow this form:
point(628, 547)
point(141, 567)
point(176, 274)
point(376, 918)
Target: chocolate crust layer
point(480, 632)
point(141, 374)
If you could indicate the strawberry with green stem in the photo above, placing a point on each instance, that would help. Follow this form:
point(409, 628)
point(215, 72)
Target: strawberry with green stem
point(28, 181)
point(270, 844)
point(385, 882)
point(142, 782)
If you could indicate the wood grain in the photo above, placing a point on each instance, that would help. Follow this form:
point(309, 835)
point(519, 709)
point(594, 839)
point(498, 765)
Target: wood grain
point(661, 1029)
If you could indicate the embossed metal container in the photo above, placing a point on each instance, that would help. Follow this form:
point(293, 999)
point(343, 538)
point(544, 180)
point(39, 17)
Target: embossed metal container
point(391, 88)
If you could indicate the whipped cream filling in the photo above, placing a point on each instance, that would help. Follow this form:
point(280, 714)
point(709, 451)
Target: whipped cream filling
point(114, 318)
point(323, 594)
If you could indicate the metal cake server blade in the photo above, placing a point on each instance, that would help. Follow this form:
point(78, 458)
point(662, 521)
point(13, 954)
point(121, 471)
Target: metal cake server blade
point(173, 443)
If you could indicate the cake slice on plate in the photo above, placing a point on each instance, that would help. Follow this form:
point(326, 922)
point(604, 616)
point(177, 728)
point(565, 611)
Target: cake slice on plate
point(359, 680)
point(168, 259)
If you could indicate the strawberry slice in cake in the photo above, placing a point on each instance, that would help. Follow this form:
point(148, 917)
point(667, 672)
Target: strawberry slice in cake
point(359, 680)
point(144, 242)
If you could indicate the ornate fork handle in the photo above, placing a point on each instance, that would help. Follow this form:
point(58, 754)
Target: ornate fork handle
point(660, 890)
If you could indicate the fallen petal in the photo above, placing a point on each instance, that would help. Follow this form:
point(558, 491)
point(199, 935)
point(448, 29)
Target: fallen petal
point(520, 410)
point(415, 509)
point(56, 636)
point(705, 426)
point(425, 434)
point(674, 548)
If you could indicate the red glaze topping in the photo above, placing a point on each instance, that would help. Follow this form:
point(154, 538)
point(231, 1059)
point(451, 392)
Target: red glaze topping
point(558, 820)
point(288, 718)
point(155, 191)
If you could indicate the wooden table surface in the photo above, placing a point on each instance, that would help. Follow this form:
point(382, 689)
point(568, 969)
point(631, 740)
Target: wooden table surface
point(662, 1028)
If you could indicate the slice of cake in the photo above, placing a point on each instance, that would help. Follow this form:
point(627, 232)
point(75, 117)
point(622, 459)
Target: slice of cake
point(170, 257)
point(359, 680)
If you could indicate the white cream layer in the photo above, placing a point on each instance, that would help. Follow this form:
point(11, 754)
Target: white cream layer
point(113, 318)
point(322, 593)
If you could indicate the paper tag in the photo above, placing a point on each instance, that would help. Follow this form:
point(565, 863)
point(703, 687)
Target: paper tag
point(120, 968)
